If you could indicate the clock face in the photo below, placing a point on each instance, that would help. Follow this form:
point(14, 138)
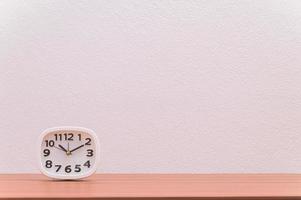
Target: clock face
point(68, 152)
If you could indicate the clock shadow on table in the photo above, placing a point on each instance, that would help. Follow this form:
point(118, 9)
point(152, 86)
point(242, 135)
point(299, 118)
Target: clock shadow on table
point(70, 181)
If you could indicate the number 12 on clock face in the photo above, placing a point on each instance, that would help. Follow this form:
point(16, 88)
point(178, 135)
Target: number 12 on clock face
point(68, 152)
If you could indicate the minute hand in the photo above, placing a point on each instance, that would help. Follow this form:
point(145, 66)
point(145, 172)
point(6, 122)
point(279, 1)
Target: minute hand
point(77, 148)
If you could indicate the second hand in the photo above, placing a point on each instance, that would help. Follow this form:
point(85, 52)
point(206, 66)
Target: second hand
point(68, 151)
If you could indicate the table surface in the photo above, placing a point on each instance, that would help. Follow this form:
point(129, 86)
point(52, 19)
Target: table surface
point(152, 185)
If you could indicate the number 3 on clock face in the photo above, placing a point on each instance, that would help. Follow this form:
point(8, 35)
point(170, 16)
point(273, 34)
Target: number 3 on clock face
point(68, 152)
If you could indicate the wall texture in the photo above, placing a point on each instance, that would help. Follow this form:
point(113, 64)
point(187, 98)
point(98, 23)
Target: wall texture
point(169, 86)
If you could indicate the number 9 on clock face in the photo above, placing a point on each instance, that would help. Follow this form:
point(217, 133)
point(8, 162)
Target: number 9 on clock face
point(68, 152)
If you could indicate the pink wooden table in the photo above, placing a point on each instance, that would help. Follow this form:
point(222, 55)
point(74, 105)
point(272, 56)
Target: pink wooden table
point(154, 186)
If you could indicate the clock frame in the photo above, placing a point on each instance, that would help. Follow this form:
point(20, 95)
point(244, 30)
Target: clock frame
point(68, 129)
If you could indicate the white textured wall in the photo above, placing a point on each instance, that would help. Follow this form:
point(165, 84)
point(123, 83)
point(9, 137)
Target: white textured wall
point(169, 86)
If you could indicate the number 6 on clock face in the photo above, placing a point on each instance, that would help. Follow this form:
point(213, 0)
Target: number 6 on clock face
point(68, 152)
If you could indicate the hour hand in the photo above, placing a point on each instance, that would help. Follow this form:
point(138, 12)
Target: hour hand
point(62, 148)
point(59, 148)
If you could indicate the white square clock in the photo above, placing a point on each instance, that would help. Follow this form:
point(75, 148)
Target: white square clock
point(68, 152)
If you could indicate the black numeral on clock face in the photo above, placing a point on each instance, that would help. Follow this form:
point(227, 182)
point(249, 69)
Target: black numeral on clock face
point(49, 143)
point(77, 168)
point(65, 136)
point(68, 136)
point(87, 164)
point(68, 169)
point(48, 164)
point(89, 152)
point(88, 141)
point(58, 167)
point(46, 152)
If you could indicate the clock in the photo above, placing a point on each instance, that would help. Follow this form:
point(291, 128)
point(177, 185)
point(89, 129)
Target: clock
point(68, 152)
